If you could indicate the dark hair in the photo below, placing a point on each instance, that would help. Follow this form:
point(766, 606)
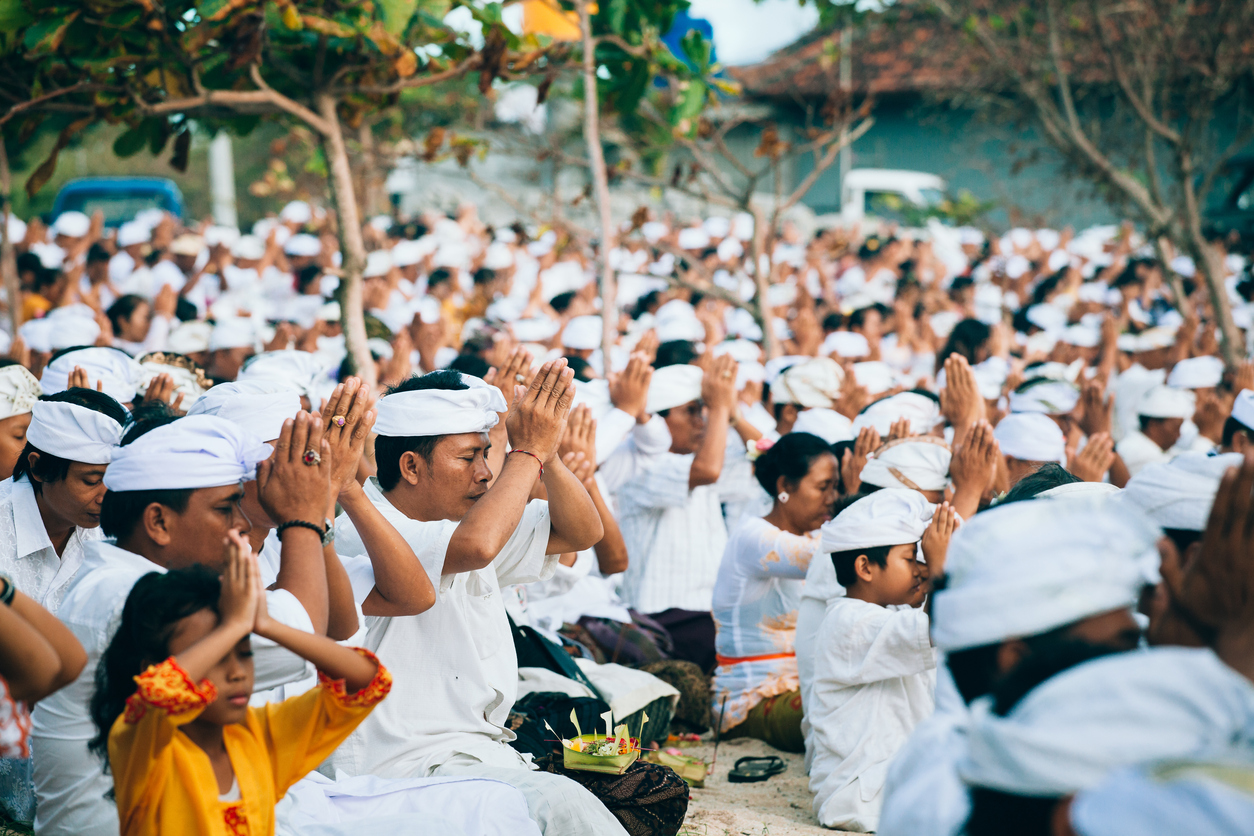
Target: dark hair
point(1231, 427)
point(582, 368)
point(438, 275)
point(1145, 421)
point(838, 450)
point(562, 301)
point(846, 576)
point(155, 604)
point(650, 300)
point(1047, 476)
point(857, 319)
point(674, 353)
point(471, 364)
point(52, 468)
point(123, 308)
point(791, 458)
point(484, 275)
point(997, 813)
point(1182, 538)
point(833, 321)
point(967, 336)
point(306, 276)
point(121, 511)
point(389, 449)
point(97, 253)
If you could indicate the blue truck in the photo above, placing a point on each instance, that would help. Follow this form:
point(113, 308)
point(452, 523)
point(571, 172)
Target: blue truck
point(119, 198)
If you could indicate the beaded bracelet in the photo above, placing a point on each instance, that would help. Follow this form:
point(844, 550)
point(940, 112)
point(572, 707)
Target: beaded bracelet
point(533, 455)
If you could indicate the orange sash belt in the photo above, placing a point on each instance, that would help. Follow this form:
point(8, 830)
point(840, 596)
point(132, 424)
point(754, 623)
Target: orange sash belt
point(736, 660)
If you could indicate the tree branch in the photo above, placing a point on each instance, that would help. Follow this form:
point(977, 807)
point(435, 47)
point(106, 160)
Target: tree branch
point(30, 104)
point(413, 82)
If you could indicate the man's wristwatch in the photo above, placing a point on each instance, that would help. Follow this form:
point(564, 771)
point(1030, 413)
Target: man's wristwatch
point(10, 590)
point(326, 531)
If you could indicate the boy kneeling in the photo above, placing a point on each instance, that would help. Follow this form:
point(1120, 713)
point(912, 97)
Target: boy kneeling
point(875, 668)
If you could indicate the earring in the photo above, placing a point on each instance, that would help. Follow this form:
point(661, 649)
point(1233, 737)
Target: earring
point(782, 497)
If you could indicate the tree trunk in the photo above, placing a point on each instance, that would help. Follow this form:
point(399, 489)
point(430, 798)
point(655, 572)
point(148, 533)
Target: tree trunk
point(371, 182)
point(352, 247)
point(8, 260)
point(762, 279)
point(601, 184)
point(1211, 268)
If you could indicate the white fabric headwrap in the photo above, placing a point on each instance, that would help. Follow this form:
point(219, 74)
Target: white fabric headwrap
point(815, 382)
point(583, 332)
point(827, 424)
point(73, 432)
point(427, 412)
point(118, 374)
point(1051, 397)
point(923, 413)
point(1028, 567)
point(259, 406)
point(1202, 372)
point(1243, 408)
point(1198, 798)
point(1179, 493)
point(673, 386)
point(299, 370)
point(199, 451)
point(917, 463)
point(1167, 402)
point(1077, 727)
point(1031, 437)
point(888, 517)
point(18, 391)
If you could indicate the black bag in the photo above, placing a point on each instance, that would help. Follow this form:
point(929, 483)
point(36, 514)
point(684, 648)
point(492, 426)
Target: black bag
point(532, 711)
point(536, 651)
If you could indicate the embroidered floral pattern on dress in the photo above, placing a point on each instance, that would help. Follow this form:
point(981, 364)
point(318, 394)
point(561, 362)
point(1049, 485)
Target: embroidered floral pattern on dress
point(235, 819)
point(14, 725)
point(167, 686)
point(368, 696)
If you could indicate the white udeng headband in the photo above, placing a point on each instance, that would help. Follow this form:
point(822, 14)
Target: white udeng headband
point(73, 432)
point(427, 412)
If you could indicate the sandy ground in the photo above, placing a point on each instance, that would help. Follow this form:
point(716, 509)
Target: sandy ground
point(778, 806)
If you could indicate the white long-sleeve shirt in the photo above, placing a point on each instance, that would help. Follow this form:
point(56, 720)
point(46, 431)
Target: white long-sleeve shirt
point(26, 552)
point(874, 681)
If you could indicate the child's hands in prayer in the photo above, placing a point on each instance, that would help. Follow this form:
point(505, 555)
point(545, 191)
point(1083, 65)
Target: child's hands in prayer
point(935, 541)
point(241, 585)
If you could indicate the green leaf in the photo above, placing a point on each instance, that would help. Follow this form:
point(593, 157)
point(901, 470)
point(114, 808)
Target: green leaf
point(617, 15)
point(683, 117)
point(45, 35)
point(697, 49)
point(131, 142)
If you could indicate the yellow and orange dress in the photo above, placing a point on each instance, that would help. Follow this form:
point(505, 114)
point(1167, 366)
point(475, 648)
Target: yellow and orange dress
point(164, 783)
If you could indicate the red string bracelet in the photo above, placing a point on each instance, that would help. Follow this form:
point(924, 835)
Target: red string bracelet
point(533, 455)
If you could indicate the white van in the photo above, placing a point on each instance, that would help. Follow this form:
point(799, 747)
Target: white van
point(876, 191)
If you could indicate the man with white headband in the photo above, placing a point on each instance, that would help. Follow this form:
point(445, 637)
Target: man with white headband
point(1069, 734)
point(1030, 587)
point(174, 487)
point(1238, 431)
point(19, 389)
point(1161, 413)
point(670, 513)
point(874, 671)
point(110, 370)
point(813, 383)
point(1029, 440)
point(454, 667)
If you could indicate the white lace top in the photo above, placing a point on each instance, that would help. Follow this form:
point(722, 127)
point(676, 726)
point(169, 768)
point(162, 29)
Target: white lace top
point(26, 552)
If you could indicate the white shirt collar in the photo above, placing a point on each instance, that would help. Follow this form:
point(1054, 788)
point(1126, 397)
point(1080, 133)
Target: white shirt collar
point(29, 528)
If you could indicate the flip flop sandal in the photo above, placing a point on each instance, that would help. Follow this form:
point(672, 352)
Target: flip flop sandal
point(753, 770)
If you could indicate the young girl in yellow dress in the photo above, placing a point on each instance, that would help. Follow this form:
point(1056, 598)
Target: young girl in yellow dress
point(187, 753)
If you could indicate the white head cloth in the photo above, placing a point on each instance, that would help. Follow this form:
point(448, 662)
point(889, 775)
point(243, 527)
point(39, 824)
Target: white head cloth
point(920, 463)
point(1243, 408)
point(199, 451)
point(1051, 397)
point(233, 332)
point(673, 386)
point(1074, 489)
point(73, 432)
point(815, 382)
point(18, 391)
point(1198, 798)
point(427, 412)
point(259, 406)
point(1203, 372)
point(118, 374)
point(922, 412)
point(1031, 437)
point(186, 382)
point(583, 332)
point(1180, 493)
point(1077, 727)
point(1028, 567)
point(827, 424)
point(299, 370)
point(1167, 402)
point(845, 344)
point(889, 517)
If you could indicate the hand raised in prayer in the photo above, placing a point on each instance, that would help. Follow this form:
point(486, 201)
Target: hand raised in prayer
point(398, 368)
point(853, 396)
point(900, 429)
point(350, 404)
point(161, 390)
point(961, 402)
point(1092, 463)
point(648, 346)
point(582, 468)
point(935, 542)
point(288, 488)
point(718, 386)
point(284, 333)
point(854, 460)
point(537, 416)
point(1094, 414)
point(20, 351)
point(517, 364)
point(1244, 377)
point(78, 380)
point(973, 467)
point(165, 303)
point(629, 389)
point(1210, 415)
point(581, 434)
point(241, 584)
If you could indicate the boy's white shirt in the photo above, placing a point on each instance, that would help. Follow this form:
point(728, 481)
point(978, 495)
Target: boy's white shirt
point(874, 681)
